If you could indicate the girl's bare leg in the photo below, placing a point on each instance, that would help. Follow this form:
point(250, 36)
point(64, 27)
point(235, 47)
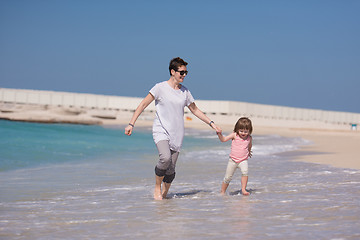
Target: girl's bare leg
point(224, 186)
point(244, 181)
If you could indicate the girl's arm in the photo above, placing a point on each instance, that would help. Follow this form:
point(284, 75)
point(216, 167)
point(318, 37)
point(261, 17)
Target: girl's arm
point(198, 113)
point(249, 147)
point(226, 138)
point(144, 103)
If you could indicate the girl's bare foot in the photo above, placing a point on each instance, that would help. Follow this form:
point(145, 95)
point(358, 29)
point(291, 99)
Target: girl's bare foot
point(244, 192)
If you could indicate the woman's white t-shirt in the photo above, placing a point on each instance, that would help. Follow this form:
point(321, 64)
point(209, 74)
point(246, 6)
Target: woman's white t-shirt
point(169, 119)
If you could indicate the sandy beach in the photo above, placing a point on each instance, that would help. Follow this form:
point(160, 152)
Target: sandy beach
point(330, 145)
point(338, 148)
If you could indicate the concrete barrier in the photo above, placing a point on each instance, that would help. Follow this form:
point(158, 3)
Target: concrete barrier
point(94, 101)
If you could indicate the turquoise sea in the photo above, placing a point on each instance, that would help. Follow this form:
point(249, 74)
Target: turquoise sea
point(61, 181)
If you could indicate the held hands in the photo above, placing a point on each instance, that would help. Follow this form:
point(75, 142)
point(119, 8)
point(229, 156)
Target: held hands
point(216, 128)
point(128, 130)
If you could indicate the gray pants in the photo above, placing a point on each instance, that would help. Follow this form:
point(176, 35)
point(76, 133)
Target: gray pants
point(167, 159)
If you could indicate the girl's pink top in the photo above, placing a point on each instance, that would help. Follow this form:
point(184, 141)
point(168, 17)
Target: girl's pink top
point(240, 148)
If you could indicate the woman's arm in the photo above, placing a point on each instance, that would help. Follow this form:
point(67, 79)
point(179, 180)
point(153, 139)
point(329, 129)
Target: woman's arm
point(199, 114)
point(144, 103)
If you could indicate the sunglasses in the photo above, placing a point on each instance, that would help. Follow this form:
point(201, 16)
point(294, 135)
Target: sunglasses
point(182, 72)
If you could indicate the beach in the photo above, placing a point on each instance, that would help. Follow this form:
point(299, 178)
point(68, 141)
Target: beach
point(331, 147)
point(88, 180)
point(337, 148)
point(330, 144)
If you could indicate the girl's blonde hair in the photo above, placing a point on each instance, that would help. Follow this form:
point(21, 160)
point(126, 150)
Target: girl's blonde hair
point(243, 123)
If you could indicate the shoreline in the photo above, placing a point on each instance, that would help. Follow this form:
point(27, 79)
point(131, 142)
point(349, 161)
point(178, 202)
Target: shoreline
point(331, 145)
point(336, 148)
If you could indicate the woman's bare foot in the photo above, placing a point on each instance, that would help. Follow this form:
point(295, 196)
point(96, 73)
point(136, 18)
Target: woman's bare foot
point(157, 190)
point(157, 195)
point(165, 189)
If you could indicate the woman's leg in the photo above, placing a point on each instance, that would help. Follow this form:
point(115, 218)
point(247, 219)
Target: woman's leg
point(157, 190)
point(165, 189)
point(165, 158)
point(170, 174)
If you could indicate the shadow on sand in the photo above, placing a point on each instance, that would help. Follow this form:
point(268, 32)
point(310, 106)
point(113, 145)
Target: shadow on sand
point(194, 192)
point(239, 192)
point(185, 194)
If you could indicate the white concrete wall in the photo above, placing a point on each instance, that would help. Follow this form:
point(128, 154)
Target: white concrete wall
point(82, 100)
point(67, 99)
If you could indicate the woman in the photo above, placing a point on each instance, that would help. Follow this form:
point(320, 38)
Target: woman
point(171, 97)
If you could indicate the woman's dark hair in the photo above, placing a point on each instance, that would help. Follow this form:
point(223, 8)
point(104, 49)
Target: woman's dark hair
point(175, 63)
point(243, 123)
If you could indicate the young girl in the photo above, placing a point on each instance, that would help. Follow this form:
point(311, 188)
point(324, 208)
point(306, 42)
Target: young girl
point(240, 152)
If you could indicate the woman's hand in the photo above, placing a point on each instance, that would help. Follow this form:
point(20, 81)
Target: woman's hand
point(128, 130)
point(144, 103)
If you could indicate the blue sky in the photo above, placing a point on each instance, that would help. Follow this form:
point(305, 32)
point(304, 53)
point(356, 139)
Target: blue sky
point(282, 52)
